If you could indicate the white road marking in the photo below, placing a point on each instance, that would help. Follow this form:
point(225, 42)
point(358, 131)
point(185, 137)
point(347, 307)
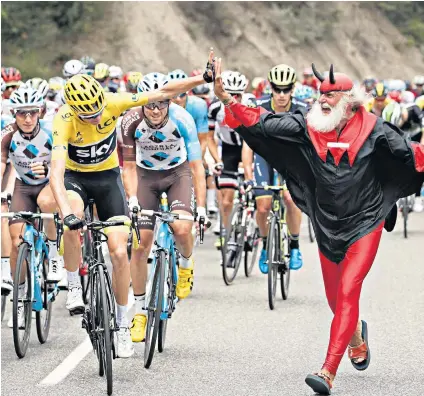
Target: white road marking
point(74, 358)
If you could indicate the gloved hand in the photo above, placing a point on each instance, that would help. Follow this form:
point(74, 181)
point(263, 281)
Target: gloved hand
point(201, 212)
point(248, 184)
point(209, 74)
point(217, 168)
point(73, 222)
point(133, 204)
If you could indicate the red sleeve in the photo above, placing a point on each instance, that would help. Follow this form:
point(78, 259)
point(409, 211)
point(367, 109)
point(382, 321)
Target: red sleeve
point(241, 114)
point(418, 156)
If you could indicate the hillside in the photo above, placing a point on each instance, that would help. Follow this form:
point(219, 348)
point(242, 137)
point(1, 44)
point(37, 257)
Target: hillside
point(359, 38)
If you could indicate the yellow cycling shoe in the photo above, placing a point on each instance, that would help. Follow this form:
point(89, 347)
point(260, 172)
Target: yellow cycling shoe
point(138, 328)
point(220, 242)
point(185, 281)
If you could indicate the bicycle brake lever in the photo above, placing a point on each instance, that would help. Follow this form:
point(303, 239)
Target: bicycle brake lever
point(134, 220)
point(201, 228)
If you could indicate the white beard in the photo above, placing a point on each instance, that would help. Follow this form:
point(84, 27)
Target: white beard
point(327, 122)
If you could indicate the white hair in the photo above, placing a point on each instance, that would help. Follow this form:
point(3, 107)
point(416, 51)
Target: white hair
point(355, 98)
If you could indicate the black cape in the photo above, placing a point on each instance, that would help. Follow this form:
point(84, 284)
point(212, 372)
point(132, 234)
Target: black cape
point(344, 201)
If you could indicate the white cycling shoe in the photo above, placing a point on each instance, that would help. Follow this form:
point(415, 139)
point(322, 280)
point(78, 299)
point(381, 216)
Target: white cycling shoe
point(56, 265)
point(74, 303)
point(124, 344)
point(21, 318)
point(418, 205)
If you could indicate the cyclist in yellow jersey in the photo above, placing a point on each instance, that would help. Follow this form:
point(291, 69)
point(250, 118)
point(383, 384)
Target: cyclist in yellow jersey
point(85, 165)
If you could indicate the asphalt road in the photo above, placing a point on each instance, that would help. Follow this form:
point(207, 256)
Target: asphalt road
point(224, 340)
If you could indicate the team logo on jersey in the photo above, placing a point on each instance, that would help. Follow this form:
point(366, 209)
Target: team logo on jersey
point(157, 137)
point(100, 127)
point(93, 153)
point(67, 116)
point(176, 134)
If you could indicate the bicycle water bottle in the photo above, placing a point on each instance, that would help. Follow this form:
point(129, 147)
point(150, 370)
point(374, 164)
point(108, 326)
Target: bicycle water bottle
point(164, 202)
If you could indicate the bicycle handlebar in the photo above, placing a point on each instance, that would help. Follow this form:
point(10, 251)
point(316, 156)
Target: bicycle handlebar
point(268, 188)
point(30, 215)
point(166, 216)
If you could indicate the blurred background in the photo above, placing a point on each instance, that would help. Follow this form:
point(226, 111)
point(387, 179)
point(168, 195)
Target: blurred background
point(383, 39)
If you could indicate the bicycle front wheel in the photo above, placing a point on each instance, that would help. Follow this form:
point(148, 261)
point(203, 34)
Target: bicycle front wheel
point(154, 308)
point(22, 299)
point(234, 245)
point(311, 231)
point(405, 214)
point(43, 317)
point(274, 259)
point(251, 246)
point(103, 328)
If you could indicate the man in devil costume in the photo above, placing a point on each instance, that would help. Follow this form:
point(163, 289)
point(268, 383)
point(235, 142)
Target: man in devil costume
point(345, 168)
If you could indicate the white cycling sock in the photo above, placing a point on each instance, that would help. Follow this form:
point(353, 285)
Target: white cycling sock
point(73, 279)
point(140, 304)
point(211, 195)
point(5, 268)
point(185, 262)
point(21, 290)
point(52, 248)
point(121, 315)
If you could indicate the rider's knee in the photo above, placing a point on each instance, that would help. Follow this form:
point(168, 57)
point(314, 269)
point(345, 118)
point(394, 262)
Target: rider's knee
point(46, 203)
point(263, 205)
point(183, 230)
point(119, 256)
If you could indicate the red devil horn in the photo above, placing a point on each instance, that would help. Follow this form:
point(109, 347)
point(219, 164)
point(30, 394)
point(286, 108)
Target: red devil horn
point(332, 79)
point(318, 75)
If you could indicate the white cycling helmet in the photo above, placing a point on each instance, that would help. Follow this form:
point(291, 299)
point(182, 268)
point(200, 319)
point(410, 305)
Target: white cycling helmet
point(115, 72)
point(397, 85)
point(72, 68)
point(26, 96)
point(419, 80)
point(407, 97)
point(177, 74)
point(152, 81)
point(42, 86)
point(234, 82)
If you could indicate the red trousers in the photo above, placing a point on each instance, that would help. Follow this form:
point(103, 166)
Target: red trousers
point(343, 284)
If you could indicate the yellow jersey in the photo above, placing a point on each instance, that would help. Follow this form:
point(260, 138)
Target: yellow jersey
point(91, 148)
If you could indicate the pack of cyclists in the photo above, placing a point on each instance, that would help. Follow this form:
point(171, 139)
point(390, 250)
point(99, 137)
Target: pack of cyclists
point(123, 138)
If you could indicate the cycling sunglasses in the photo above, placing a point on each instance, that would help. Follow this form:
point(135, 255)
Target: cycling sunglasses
point(25, 113)
point(91, 116)
point(183, 95)
point(160, 105)
point(284, 90)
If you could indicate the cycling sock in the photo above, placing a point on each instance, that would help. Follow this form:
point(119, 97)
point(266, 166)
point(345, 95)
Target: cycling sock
point(264, 241)
point(73, 279)
point(52, 248)
point(211, 196)
point(294, 241)
point(121, 317)
point(21, 290)
point(140, 303)
point(185, 262)
point(5, 268)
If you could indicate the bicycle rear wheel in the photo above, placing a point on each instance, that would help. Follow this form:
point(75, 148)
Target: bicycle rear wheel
point(163, 325)
point(22, 278)
point(154, 308)
point(234, 245)
point(284, 268)
point(405, 214)
point(251, 246)
point(103, 329)
point(86, 254)
point(311, 231)
point(43, 317)
point(274, 258)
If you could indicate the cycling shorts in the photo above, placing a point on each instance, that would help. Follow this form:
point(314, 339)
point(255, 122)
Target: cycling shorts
point(105, 187)
point(25, 198)
point(175, 182)
point(231, 157)
point(265, 175)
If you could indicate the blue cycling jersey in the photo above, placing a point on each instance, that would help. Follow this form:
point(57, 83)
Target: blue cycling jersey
point(198, 109)
point(164, 147)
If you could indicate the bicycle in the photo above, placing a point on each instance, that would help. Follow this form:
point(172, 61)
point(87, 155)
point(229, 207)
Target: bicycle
point(242, 234)
point(99, 318)
point(278, 247)
point(161, 286)
point(32, 267)
point(5, 293)
point(405, 206)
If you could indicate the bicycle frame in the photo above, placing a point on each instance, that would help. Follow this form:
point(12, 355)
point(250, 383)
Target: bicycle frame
point(35, 240)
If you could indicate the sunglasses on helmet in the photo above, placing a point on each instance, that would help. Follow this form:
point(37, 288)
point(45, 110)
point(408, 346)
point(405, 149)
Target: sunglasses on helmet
point(90, 116)
point(284, 90)
point(160, 105)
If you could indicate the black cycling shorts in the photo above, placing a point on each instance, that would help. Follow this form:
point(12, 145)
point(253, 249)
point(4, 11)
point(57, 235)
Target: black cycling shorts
point(265, 175)
point(105, 187)
point(231, 157)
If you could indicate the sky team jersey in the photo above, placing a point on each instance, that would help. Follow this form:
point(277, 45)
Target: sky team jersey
point(162, 148)
point(91, 148)
point(23, 152)
point(198, 109)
